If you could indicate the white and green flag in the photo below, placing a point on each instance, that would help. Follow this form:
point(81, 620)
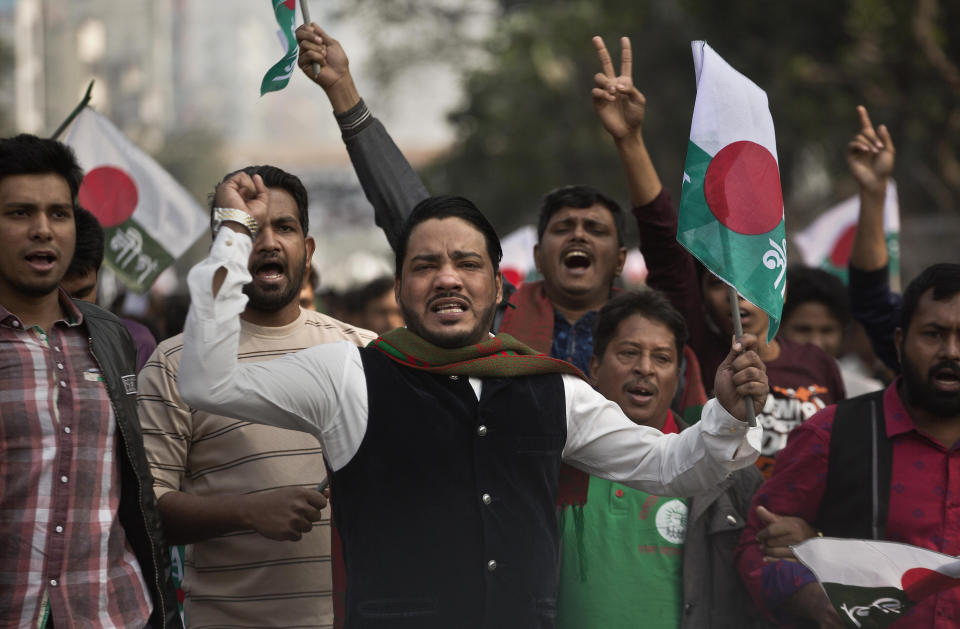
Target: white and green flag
point(731, 206)
point(279, 75)
point(827, 242)
point(148, 218)
point(871, 584)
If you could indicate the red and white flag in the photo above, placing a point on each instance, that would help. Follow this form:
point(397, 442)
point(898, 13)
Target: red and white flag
point(827, 242)
point(871, 583)
point(148, 218)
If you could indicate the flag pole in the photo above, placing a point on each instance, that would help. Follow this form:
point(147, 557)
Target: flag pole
point(306, 20)
point(737, 333)
point(73, 114)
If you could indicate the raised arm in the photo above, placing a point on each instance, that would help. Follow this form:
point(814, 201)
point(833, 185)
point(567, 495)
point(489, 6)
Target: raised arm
point(870, 156)
point(621, 109)
point(387, 179)
point(319, 390)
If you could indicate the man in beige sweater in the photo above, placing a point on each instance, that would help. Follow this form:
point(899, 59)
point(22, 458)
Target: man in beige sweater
point(239, 493)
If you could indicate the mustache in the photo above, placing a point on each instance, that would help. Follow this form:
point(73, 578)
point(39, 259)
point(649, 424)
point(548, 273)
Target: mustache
point(449, 295)
point(645, 382)
point(949, 365)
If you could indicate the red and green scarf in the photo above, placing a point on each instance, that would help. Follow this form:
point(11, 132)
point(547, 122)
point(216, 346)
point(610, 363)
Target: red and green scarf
point(499, 356)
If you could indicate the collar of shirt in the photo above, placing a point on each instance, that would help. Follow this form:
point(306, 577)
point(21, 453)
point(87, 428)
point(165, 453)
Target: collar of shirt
point(897, 418)
point(573, 342)
point(74, 316)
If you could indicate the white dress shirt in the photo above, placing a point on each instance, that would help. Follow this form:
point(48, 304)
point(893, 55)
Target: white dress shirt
point(322, 390)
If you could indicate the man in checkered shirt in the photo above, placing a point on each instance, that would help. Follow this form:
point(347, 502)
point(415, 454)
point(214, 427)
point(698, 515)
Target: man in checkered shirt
point(80, 538)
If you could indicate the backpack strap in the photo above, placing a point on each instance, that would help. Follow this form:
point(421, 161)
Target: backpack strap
point(856, 499)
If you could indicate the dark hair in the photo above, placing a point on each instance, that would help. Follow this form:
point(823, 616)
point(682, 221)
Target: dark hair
point(88, 254)
point(943, 278)
point(313, 278)
point(449, 207)
point(806, 284)
point(580, 197)
point(357, 299)
point(27, 154)
point(648, 303)
point(274, 177)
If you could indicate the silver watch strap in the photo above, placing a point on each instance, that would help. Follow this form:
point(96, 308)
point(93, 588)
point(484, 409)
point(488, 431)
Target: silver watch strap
point(221, 214)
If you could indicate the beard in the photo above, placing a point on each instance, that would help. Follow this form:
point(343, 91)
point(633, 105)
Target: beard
point(921, 392)
point(451, 340)
point(37, 288)
point(274, 298)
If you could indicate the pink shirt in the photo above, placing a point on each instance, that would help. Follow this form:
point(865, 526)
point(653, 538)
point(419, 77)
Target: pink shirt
point(924, 507)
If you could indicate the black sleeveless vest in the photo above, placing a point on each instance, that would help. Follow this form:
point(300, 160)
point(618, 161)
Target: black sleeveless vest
point(856, 498)
point(447, 510)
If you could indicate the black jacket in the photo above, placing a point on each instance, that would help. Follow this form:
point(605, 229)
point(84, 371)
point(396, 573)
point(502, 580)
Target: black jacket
point(116, 354)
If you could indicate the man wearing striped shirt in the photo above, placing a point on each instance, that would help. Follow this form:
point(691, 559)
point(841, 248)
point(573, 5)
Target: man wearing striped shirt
point(244, 496)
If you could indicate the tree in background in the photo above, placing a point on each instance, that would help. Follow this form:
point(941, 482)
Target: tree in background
point(526, 124)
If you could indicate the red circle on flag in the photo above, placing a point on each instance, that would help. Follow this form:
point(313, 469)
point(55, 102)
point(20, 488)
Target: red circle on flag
point(110, 194)
point(512, 275)
point(919, 583)
point(742, 188)
point(840, 255)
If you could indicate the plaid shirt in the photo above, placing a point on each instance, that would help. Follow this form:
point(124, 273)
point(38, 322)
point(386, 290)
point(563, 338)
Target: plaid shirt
point(62, 548)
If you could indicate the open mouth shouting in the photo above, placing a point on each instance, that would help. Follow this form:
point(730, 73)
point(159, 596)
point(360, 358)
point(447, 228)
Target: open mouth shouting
point(576, 260)
point(641, 393)
point(946, 377)
point(449, 308)
point(270, 272)
point(41, 260)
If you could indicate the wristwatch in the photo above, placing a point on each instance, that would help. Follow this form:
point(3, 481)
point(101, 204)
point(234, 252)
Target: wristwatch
point(221, 214)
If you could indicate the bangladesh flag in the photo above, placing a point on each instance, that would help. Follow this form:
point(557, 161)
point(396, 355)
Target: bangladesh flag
point(149, 220)
point(279, 75)
point(828, 241)
point(731, 207)
point(871, 584)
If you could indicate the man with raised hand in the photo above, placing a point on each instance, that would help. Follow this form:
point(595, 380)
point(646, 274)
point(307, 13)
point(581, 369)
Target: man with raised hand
point(445, 443)
point(244, 497)
point(579, 247)
point(803, 378)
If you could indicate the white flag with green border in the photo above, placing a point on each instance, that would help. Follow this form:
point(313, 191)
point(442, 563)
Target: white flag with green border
point(731, 206)
point(148, 218)
point(871, 584)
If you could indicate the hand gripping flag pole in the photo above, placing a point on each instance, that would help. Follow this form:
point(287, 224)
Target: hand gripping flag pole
point(305, 10)
point(738, 332)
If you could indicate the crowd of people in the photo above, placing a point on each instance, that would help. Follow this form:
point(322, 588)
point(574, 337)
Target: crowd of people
point(451, 450)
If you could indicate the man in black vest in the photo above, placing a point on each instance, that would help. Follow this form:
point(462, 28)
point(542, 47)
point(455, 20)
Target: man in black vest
point(891, 466)
point(444, 443)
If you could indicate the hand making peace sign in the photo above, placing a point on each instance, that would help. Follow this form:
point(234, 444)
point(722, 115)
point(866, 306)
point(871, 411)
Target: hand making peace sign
point(620, 106)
